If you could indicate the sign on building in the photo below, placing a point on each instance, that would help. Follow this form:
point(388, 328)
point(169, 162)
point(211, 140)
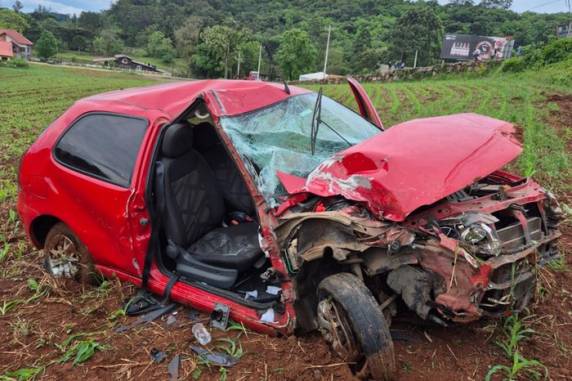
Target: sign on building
point(471, 47)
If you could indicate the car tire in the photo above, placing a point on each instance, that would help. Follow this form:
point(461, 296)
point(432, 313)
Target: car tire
point(358, 332)
point(66, 257)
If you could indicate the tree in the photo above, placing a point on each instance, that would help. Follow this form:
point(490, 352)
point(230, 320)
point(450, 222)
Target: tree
point(188, 35)
point(79, 43)
point(417, 30)
point(47, 45)
point(12, 20)
point(218, 50)
point(107, 43)
point(296, 53)
point(159, 46)
point(17, 7)
point(506, 4)
point(91, 21)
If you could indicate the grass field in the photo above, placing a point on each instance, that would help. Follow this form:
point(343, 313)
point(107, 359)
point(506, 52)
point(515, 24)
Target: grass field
point(521, 99)
point(31, 98)
point(43, 328)
point(138, 55)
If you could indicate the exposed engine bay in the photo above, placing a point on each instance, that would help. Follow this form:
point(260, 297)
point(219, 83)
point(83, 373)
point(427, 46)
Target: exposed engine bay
point(474, 253)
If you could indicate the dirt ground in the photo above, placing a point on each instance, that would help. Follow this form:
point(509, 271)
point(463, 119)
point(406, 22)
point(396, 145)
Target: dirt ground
point(34, 331)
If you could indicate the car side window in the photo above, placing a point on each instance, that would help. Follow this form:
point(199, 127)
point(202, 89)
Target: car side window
point(104, 146)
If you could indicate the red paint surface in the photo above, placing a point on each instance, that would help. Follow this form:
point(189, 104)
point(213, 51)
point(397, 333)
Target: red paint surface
point(415, 163)
point(410, 165)
point(365, 105)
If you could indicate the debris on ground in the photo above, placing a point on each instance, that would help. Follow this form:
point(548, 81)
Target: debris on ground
point(158, 356)
point(173, 368)
point(147, 318)
point(201, 334)
point(216, 358)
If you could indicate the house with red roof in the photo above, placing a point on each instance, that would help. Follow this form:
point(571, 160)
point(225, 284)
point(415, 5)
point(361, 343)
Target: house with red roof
point(6, 51)
point(13, 44)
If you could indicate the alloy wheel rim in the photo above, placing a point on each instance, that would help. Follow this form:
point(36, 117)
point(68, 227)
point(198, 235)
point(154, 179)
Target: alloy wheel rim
point(336, 330)
point(63, 258)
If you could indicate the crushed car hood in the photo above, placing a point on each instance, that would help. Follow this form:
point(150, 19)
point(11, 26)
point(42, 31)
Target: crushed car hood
point(413, 164)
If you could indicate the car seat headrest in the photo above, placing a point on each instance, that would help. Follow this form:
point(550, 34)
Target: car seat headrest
point(178, 140)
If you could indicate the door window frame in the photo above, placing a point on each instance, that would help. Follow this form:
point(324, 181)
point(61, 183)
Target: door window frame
point(93, 175)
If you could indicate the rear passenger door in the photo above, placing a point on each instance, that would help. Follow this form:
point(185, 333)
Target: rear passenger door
point(97, 155)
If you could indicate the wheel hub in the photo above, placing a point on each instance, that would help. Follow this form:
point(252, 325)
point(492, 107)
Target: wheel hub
point(63, 258)
point(335, 328)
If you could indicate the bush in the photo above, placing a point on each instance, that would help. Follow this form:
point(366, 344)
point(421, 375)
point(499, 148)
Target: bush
point(557, 50)
point(16, 63)
point(19, 63)
point(534, 59)
point(514, 65)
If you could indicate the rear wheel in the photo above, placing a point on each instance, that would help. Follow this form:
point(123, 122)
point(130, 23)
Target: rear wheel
point(351, 322)
point(66, 257)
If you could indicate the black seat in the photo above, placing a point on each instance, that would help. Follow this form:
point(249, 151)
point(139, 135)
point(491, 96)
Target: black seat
point(193, 210)
point(228, 178)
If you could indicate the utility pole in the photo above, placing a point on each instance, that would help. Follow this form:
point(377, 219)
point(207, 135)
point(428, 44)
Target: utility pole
point(238, 66)
point(327, 49)
point(226, 61)
point(259, 61)
point(415, 60)
point(569, 2)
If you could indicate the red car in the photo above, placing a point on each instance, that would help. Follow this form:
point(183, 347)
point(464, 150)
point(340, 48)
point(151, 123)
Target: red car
point(293, 211)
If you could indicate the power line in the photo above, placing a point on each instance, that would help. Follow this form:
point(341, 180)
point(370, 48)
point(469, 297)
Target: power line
point(545, 4)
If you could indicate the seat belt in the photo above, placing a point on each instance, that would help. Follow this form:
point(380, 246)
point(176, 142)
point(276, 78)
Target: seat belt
point(161, 207)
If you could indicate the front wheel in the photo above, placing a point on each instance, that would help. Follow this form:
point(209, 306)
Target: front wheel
point(350, 320)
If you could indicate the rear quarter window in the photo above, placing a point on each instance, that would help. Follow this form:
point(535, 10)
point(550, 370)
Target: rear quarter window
point(104, 146)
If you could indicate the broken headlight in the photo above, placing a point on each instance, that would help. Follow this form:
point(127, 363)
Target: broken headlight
point(483, 238)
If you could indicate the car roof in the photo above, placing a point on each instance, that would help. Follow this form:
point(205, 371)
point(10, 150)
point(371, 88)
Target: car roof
point(224, 97)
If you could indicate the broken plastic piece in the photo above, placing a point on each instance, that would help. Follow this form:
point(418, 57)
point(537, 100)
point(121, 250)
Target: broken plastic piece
point(220, 315)
point(147, 318)
point(201, 334)
point(171, 319)
point(157, 355)
point(268, 316)
point(173, 368)
point(273, 290)
point(194, 315)
point(251, 294)
point(141, 303)
point(217, 358)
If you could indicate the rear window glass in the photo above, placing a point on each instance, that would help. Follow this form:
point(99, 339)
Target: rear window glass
point(103, 146)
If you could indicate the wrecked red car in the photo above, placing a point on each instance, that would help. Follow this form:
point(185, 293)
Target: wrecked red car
point(289, 209)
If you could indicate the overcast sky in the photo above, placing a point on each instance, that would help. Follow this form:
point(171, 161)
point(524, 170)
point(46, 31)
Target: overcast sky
point(76, 6)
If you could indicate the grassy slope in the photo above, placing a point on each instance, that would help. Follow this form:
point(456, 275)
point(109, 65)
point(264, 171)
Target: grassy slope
point(518, 98)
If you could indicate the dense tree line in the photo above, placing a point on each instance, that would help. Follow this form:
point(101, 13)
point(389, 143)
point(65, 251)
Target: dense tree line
point(217, 37)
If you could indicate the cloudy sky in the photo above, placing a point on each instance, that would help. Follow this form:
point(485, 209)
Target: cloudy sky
point(76, 6)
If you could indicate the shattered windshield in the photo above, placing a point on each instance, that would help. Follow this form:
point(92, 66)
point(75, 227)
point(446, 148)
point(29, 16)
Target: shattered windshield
point(277, 138)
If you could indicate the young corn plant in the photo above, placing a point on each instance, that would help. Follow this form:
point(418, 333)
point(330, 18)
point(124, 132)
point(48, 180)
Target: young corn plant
point(521, 368)
point(514, 333)
point(22, 374)
point(81, 351)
